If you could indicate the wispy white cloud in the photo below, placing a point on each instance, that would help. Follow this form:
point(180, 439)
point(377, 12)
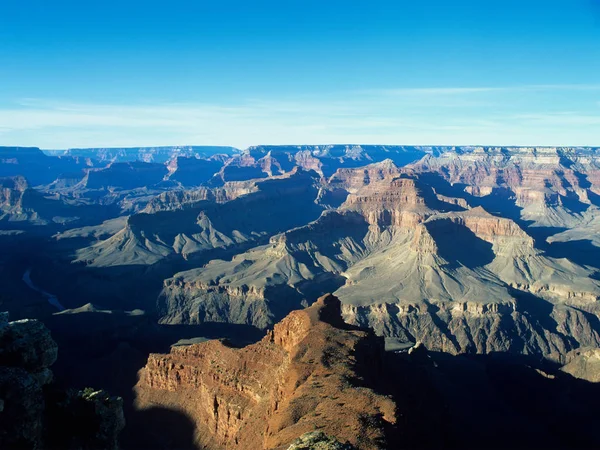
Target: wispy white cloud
point(405, 116)
point(431, 91)
point(564, 118)
point(461, 91)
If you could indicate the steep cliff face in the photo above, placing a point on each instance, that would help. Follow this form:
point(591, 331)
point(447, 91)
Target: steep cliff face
point(550, 186)
point(474, 327)
point(352, 180)
point(397, 200)
point(191, 171)
point(310, 372)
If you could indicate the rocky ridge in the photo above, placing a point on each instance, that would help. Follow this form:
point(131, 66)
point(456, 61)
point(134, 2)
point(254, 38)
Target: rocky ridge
point(216, 223)
point(311, 371)
point(409, 262)
point(145, 154)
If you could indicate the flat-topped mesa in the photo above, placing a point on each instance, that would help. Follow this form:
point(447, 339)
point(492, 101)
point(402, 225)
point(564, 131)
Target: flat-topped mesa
point(353, 179)
point(504, 234)
point(401, 202)
point(7, 152)
point(311, 371)
point(400, 192)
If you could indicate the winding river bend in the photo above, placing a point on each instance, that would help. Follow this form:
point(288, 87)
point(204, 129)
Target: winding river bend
point(52, 299)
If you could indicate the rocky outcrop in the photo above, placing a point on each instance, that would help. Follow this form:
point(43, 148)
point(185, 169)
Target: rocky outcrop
point(202, 227)
point(26, 352)
point(317, 440)
point(85, 419)
point(584, 363)
point(476, 327)
point(34, 414)
point(551, 186)
point(27, 344)
point(310, 372)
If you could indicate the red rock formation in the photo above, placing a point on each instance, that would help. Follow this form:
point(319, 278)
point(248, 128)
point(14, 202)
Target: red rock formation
point(309, 373)
point(485, 225)
point(305, 160)
point(535, 175)
point(352, 179)
point(400, 202)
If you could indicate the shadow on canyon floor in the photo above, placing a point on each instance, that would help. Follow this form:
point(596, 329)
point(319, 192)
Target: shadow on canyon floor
point(159, 429)
point(495, 401)
point(581, 252)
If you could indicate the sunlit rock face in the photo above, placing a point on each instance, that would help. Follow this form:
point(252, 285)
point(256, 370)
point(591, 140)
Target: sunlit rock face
point(453, 246)
point(416, 255)
point(310, 371)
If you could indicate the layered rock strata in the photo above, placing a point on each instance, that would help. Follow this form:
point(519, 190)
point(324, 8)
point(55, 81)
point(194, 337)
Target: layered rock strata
point(310, 372)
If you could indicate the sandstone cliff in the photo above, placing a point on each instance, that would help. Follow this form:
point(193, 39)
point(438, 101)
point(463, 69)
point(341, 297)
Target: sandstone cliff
point(310, 372)
point(550, 186)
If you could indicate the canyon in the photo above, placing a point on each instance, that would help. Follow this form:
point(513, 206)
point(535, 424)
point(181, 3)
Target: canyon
point(457, 253)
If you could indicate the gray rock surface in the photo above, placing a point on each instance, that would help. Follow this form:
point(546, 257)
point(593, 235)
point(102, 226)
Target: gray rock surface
point(317, 440)
point(584, 363)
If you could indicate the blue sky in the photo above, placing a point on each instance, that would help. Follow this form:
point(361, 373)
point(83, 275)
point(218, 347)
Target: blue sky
point(133, 73)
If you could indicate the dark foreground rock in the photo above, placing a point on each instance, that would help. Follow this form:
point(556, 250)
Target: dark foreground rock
point(34, 414)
